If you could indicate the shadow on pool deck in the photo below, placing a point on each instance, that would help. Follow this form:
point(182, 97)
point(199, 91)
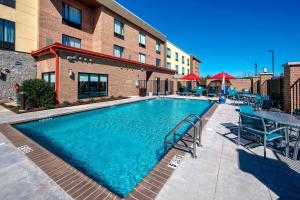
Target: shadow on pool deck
point(280, 174)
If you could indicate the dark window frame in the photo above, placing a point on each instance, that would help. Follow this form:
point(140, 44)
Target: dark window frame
point(69, 22)
point(176, 56)
point(4, 44)
point(158, 43)
point(169, 50)
point(122, 55)
point(49, 78)
point(90, 94)
point(141, 44)
point(118, 35)
point(9, 3)
point(64, 35)
point(140, 57)
point(158, 61)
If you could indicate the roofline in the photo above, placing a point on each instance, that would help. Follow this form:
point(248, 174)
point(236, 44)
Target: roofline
point(291, 64)
point(194, 57)
point(114, 6)
point(177, 47)
point(58, 46)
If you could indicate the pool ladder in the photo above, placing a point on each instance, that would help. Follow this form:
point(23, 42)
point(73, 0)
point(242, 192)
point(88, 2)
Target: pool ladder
point(195, 138)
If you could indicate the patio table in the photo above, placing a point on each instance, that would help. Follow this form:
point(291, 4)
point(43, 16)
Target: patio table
point(249, 97)
point(284, 119)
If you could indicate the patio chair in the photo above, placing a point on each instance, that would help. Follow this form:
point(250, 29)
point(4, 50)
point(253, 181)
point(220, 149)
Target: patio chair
point(257, 127)
point(212, 91)
point(184, 91)
point(246, 109)
point(199, 91)
point(231, 92)
point(246, 91)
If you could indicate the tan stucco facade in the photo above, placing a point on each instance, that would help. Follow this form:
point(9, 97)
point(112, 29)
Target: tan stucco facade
point(183, 68)
point(26, 22)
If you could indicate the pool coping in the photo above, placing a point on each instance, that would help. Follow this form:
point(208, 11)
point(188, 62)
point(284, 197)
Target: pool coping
point(80, 186)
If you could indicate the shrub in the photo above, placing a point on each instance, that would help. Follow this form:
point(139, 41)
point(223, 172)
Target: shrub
point(38, 93)
point(66, 103)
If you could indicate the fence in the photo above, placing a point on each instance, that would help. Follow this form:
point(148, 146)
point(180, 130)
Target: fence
point(295, 96)
point(156, 87)
point(275, 90)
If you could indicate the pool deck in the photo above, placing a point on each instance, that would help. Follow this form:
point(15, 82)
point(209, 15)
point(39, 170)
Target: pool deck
point(222, 170)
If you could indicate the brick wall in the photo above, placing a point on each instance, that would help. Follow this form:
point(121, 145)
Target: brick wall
point(122, 77)
point(264, 77)
point(240, 84)
point(291, 75)
point(131, 39)
point(97, 32)
point(255, 85)
point(51, 27)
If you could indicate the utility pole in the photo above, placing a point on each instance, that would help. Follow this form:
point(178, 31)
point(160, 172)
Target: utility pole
point(255, 67)
point(273, 61)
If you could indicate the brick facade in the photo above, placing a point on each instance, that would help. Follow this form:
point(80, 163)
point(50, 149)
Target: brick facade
point(239, 83)
point(97, 33)
point(123, 77)
point(195, 65)
point(264, 77)
point(255, 85)
point(291, 75)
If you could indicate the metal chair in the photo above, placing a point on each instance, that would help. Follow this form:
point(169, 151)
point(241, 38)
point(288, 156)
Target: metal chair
point(257, 127)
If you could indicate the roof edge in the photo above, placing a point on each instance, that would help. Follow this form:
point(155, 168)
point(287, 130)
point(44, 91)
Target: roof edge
point(59, 46)
point(122, 11)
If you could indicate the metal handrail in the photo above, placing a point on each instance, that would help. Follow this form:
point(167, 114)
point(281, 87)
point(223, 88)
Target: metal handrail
point(196, 138)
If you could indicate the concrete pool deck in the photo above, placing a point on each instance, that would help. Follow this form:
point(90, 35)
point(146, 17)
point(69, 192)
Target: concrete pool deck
point(222, 170)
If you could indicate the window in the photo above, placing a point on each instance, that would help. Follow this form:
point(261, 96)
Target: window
point(119, 29)
point(188, 62)
point(176, 56)
point(168, 53)
point(168, 65)
point(142, 40)
point(9, 3)
point(182, 70)
point(158, 62)
point(157, 47)
point(118, 51)
point(71, 16)
point(7, 34)
point(183, 59)
point(142, 58)
point(71, 41)
point(49, 77)
point(177, 68)
point(92, 85)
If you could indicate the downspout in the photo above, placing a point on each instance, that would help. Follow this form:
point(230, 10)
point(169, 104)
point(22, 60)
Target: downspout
point(56, 73)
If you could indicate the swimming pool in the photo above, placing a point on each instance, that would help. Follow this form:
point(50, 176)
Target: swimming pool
point(115, 146)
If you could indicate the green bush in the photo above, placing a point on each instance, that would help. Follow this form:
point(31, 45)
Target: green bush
point(38, 93)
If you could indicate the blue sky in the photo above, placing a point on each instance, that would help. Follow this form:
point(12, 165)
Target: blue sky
point(227, 35)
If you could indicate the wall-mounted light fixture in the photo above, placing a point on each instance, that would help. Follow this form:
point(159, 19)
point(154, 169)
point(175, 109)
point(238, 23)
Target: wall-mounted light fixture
point(70, 72)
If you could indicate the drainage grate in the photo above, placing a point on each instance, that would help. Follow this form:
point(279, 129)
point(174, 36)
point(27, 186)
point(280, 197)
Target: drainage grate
point(25, 149)
point(175, 161)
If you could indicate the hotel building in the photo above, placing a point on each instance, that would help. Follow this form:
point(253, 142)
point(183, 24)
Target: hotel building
point(91, 48)
point(18, 37)
point(178, 60)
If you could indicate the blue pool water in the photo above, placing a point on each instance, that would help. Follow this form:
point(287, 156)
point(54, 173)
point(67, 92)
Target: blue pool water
point(115, 146)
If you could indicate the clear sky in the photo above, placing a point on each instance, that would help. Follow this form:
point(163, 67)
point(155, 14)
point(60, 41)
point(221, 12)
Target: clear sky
point(227, 35)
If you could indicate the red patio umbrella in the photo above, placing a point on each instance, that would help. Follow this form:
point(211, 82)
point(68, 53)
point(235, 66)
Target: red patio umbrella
point(191, 77)
point(221, 75)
